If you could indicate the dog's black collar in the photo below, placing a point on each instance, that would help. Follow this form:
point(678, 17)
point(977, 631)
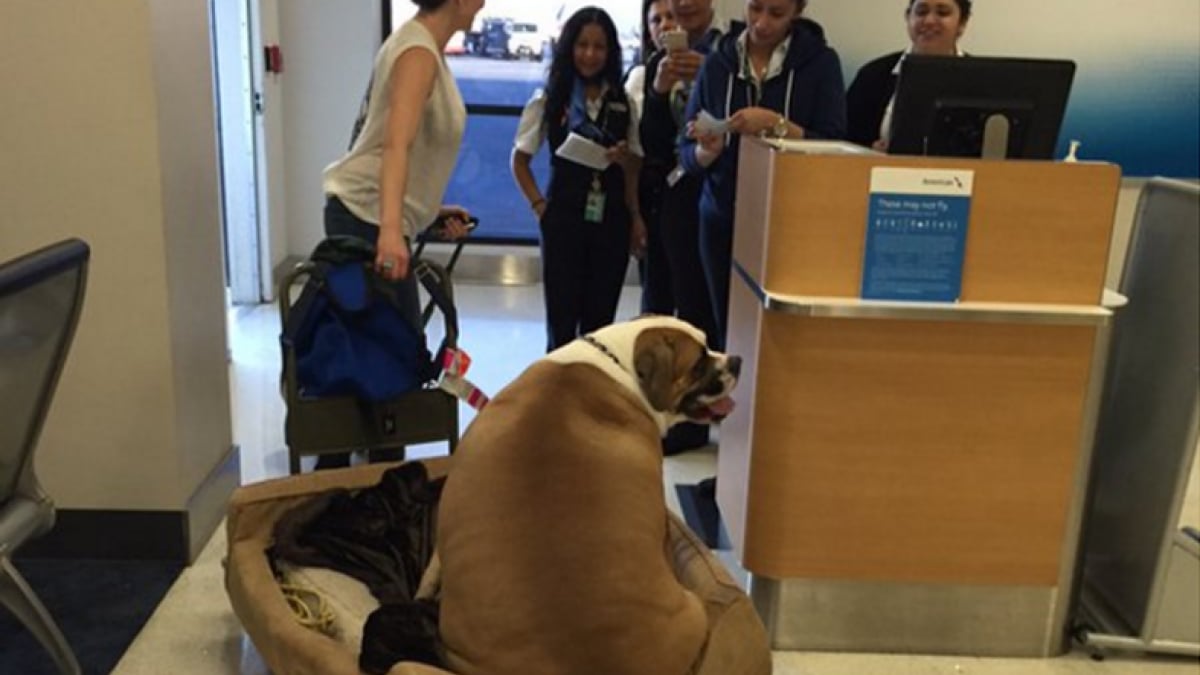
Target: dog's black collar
point(600, 346)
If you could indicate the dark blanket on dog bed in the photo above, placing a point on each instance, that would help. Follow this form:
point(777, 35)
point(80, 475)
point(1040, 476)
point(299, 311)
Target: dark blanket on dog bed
point(382, 536)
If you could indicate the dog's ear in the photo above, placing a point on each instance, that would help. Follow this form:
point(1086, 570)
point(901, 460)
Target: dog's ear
point(654, 363)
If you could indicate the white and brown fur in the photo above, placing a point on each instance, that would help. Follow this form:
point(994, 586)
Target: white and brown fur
point(553, 525)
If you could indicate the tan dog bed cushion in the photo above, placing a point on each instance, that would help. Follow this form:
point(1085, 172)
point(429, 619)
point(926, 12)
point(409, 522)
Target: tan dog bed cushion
point(333, 603)
point(737, 642)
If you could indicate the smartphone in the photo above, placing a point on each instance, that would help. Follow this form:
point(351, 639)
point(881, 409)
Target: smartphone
point(675, 40)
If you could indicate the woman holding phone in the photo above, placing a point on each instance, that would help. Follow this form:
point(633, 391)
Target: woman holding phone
point(658, 21)
point(670, 74)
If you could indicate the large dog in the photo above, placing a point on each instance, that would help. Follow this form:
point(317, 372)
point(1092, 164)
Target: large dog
point(552, 525)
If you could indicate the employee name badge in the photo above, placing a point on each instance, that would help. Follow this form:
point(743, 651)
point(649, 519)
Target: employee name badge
point(675, 176)
point(593, 209)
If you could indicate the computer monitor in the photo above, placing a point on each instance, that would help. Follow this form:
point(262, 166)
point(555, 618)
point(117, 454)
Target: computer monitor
point(976, 106)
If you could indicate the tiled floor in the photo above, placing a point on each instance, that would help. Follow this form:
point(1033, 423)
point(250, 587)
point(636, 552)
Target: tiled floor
point(194, 631)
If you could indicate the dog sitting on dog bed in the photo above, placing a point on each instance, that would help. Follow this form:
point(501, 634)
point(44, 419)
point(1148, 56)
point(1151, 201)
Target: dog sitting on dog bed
point(553, 526)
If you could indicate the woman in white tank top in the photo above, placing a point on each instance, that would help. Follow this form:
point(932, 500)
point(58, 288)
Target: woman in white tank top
point(412, 114)
point(389, 185)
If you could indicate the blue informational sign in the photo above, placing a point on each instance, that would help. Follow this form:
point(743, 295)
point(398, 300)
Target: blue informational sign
point(916, 234)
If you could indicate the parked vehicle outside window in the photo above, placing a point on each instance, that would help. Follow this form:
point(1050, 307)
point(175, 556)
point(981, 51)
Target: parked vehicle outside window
point(526, 42)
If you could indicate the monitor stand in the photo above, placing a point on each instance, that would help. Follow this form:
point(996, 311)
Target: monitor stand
point(995, 137)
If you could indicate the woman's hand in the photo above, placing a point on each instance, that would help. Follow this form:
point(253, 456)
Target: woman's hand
point(454, 222)
point(880, 145)
point(708, 146)
point(637, 236)
point(677, 66)
point(618, 153)
point(391, 254)
point(753, 121)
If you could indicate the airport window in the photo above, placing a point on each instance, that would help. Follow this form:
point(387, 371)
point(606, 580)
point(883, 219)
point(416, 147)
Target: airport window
point(499, 64)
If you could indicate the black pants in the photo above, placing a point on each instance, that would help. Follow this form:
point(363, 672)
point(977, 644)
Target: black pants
point(655, 266)
point(340, 221)
point(716, 255)
point(681, 242)
point(583, 269)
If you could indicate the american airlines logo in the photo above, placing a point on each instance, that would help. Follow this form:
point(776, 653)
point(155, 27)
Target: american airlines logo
point(943, 182)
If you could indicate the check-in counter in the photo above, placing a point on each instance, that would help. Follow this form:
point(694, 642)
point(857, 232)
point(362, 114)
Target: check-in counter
point(909, 476)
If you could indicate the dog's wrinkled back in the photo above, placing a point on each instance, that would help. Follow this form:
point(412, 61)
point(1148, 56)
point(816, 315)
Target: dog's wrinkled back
point(551, 536)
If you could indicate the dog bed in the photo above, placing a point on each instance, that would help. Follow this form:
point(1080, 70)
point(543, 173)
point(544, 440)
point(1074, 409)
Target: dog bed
point(737, 641)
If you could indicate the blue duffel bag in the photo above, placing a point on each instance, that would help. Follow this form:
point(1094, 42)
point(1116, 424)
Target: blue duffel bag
point(349, 333)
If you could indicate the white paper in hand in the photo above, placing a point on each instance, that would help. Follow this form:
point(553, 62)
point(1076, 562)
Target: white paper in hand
point(583, 151)
point(707, 124)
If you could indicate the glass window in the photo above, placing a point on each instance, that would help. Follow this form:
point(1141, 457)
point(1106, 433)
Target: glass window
point(499, 64)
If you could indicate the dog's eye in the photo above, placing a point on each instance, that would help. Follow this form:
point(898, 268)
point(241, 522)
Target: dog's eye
point(700, 367)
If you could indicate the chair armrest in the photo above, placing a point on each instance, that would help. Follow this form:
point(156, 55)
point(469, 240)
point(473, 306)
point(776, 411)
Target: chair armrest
point(22, 519)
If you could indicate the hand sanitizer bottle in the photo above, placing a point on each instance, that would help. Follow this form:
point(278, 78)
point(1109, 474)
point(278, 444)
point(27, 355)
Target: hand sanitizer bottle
point(1071, 152)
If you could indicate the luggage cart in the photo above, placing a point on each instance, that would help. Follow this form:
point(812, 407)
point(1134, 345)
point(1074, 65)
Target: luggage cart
point(433, 234)
point(337, 424)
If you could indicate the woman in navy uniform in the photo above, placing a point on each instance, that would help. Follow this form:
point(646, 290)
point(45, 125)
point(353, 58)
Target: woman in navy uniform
point(590, 222)
point(934, 28)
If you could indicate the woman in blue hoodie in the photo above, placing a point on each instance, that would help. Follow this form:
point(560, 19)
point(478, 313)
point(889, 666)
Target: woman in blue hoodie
point(772, 76)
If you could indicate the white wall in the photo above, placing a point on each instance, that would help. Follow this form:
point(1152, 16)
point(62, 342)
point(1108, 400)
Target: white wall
point(107, 133)
point(329, 48)
point(1048, 28)
point(272, 134)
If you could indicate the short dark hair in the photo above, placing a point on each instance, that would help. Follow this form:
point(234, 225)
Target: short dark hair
point(429, 5)
point(964, 7)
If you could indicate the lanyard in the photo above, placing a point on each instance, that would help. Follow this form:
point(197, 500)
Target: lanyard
point(752, 83)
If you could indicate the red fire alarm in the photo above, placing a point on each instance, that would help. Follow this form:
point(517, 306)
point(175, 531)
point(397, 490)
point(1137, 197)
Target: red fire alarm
point(273, 59)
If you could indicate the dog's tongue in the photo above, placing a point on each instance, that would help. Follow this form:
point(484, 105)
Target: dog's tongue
point(722, 407)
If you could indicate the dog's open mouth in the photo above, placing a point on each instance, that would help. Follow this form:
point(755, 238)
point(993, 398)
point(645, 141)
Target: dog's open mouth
point(715, 411)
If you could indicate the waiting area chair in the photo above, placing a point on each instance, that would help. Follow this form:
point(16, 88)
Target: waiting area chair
point(41, 295)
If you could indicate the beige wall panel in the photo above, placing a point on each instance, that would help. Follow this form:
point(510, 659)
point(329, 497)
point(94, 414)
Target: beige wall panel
point(107, 135)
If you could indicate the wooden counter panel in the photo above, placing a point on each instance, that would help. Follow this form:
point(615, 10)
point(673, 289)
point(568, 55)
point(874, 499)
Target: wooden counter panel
point(911, 451)
point(1039, 231)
